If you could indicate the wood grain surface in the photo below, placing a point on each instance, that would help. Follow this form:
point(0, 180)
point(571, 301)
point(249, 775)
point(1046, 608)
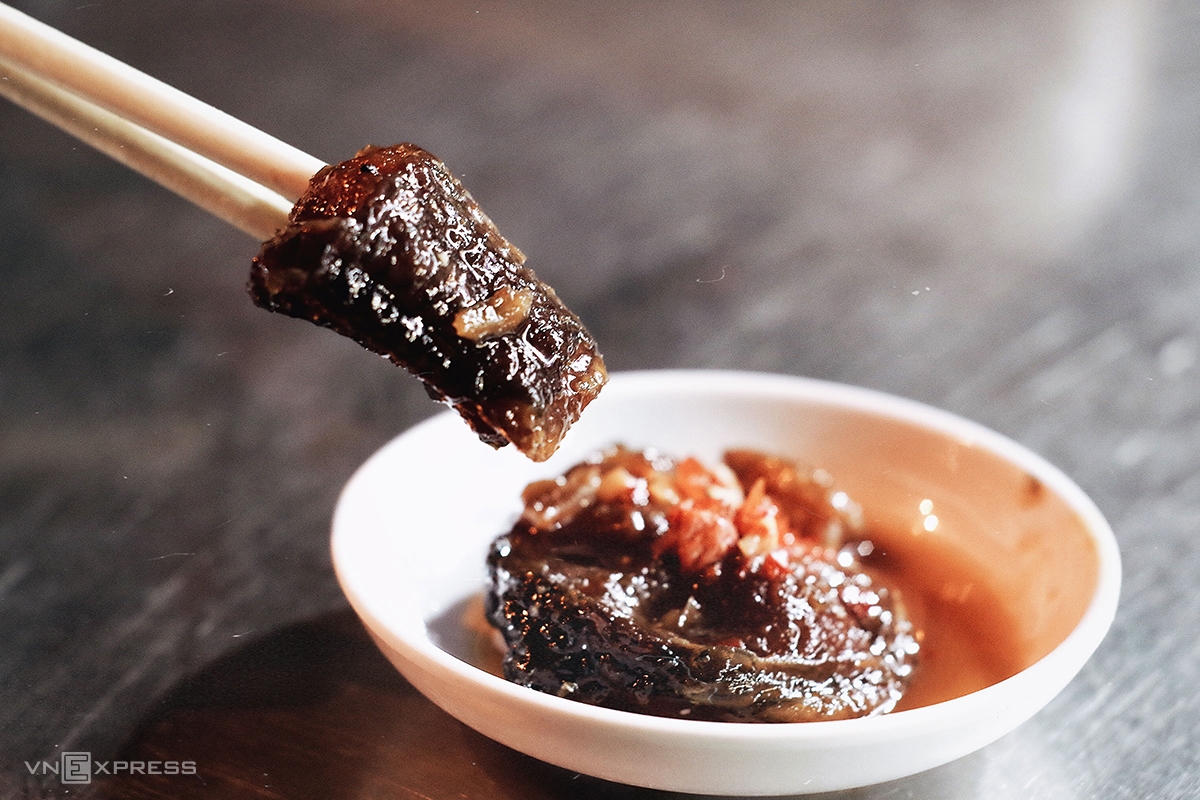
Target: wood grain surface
point(987, 206)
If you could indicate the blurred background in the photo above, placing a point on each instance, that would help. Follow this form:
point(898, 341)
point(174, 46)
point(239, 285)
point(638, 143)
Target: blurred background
point(991, 207)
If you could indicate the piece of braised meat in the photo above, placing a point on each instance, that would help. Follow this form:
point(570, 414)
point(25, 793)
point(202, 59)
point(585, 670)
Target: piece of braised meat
point(389, 249)
point(642, 583)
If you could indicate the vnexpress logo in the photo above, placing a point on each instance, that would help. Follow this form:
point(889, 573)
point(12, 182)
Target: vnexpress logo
point(79, 767)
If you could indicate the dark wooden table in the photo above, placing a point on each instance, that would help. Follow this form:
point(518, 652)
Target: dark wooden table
point(990, 207)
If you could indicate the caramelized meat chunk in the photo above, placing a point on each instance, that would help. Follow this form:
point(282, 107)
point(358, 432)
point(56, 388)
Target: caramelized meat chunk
point(647, 584)
point(389, 249)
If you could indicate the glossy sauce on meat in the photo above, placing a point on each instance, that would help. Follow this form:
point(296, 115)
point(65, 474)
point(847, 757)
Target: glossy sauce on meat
point(733, 592)
point(389, 249)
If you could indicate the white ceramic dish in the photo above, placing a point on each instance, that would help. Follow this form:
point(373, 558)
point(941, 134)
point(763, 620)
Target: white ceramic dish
point(412, 527)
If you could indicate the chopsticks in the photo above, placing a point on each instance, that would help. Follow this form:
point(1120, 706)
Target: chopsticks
point(233, 170)
point(239, 201)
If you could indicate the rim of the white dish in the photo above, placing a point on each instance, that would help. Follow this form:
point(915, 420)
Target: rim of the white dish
point(1049, 674)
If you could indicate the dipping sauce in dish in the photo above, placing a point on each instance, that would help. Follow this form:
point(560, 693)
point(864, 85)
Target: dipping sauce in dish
point(744, 591)
point(1019, 542)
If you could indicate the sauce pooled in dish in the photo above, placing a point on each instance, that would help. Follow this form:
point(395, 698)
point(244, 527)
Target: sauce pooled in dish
point(733, 592)
point(389, 249)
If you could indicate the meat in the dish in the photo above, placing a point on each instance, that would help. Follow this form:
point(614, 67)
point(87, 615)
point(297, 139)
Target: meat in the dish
point(733, 593)
point(389, 249)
